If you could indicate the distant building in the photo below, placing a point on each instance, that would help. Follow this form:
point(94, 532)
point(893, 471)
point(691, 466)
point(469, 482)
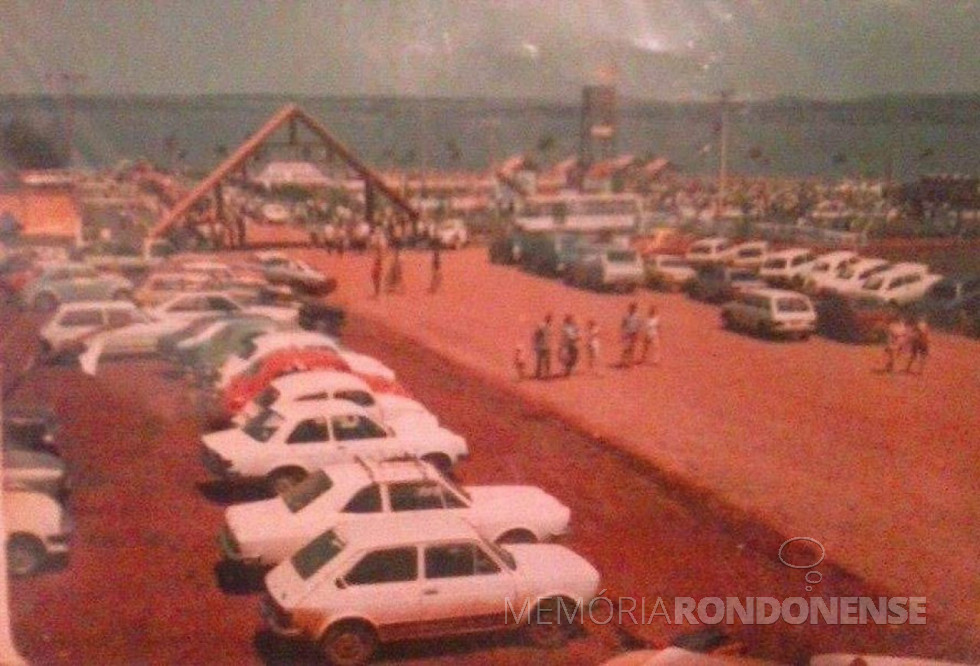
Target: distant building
point(597, 140)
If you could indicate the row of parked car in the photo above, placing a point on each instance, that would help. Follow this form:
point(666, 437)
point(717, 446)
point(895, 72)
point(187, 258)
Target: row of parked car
point(368, 537)
point(850, 297)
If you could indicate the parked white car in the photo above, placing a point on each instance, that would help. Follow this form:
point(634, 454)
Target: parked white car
point(187, 307)
point(38, 527)
point(74, 323)
point(749, 254)
point(607, 267)
point(771, 312)
point(321, 385)
point(708, 251)
point(268, 531)
point(826, 266)
point(361, 584)
point(902, 284)
point(848, 279)
point(283, 446)
point(668, 271)
point(787, 268)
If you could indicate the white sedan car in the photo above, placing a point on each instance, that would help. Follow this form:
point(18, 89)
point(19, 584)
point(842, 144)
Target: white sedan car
point(268, 531)
point(902, 284)
point(283, 446)
point(188, 307)
point(320, 385)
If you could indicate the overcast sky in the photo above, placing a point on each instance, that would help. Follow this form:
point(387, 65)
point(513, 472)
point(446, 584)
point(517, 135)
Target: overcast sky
point(666, 49)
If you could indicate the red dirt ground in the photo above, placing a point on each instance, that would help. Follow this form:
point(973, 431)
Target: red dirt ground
point(729, 418)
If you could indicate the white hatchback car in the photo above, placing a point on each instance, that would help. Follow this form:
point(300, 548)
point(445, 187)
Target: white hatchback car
point(749, 254)
point(787, 268)
point(902, 284)
point(320, 385)
point(73, 324)
point(771, 312)
point(361, 584)
point(708, 251)
point(283, 446)
point(268, 531)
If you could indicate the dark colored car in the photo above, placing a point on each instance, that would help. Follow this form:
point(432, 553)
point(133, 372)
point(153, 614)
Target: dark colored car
point(717, 283)
point(946, 303)
point(550, 253)
point(30, 428)
point(853, 318)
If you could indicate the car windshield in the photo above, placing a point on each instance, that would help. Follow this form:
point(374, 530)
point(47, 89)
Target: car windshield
point(792, 304)
point(874, 284)
point(775, 263)
point(742, 276)
point(263, 425)
point(456, 488)
point(302, 494)
point(310, 558)
point(673, 262)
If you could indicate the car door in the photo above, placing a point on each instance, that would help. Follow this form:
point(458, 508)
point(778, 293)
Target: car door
point(464, 588)
point(384, 584)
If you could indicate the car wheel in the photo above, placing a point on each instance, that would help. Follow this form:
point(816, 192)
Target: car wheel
point(349, 644)
point(440, 461)
point(552, 622)
point(283, 479)
point(45, 302)
point(122, 295)
point(25, 555)
point(762, 330)
point(726, 319)
point(517, 536)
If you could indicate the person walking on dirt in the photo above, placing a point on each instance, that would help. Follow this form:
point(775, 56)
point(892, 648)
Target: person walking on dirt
point(918, 345)
point(592, 342)
point(394, 281)
point(541, 344)
point(376, 269)
point(651, 336)
point(436, 280)
point(896, 341)
point(568, 353)
point(630, 331)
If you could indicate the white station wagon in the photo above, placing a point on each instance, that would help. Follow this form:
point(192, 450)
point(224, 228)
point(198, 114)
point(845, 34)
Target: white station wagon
point(321, 385)
point(268, 531)
point(360, 584)
point(283, 446)
point(771, 312)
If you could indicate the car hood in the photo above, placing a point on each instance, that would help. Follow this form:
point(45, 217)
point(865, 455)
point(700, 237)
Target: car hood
point(396, 408)
point(274, 313)
point(267, 520)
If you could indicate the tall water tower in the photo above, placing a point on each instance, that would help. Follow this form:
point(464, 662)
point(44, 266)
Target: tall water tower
point(597, 140)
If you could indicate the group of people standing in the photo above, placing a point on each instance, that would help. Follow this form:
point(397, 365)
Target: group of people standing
point(390, 279)
point(905, 336)
point(640, 336)
point(570, 337)
point(640, 339)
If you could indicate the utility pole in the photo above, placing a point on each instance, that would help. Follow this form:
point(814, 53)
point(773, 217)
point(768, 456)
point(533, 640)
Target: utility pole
point(66, 83)
point(726, 96)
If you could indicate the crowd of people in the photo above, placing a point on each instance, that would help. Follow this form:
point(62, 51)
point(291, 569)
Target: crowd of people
point(639, 340)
